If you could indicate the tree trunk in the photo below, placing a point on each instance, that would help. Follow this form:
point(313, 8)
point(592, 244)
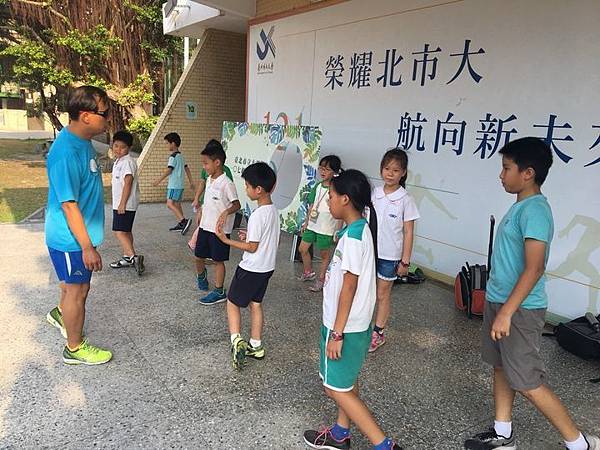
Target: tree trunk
point(50, 111)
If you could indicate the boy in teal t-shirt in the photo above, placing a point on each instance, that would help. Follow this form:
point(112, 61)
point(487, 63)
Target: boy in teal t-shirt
point(514, 314)
point(175, 172)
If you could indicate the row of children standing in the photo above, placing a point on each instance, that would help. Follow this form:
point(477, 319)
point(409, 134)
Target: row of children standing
point(514, 311)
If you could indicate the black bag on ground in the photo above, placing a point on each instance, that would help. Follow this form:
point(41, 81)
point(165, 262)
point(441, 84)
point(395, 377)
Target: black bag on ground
point(579, 337)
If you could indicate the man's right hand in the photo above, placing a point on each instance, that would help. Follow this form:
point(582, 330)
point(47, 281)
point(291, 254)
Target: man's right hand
point(92, 259)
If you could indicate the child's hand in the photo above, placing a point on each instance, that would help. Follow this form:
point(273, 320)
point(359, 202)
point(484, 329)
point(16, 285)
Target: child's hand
point(121, 209)
point(401, 271)
point(334, 349)
point(220, 233)
point(156, 183)
point(222, 219)
point(198, 216)
point(501, 326)
point(242, 235)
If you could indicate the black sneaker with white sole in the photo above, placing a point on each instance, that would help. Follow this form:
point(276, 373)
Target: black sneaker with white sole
point(186, 226)
point(125, 261)
point(489, 440)
point(179, 227)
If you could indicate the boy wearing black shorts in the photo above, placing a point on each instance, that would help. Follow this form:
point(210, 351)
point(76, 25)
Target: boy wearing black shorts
point(125, 200)
point(252, 276)
point(218, 211)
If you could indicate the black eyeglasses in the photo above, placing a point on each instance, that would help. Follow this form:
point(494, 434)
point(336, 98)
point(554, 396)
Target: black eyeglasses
point(101, 113)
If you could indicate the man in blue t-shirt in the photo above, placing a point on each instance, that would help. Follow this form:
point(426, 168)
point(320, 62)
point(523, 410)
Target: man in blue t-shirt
point(75, 219)
point(515, 310)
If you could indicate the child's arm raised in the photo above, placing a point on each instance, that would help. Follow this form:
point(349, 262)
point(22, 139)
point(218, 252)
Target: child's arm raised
point(535, 257)
point(165, 174)
point(334, 348)
point(249, 247)
point(235, 206)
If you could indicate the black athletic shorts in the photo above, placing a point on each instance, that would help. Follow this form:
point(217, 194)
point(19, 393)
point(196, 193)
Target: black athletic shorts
point(248, 287)
point(208, 245)
point(123, 222)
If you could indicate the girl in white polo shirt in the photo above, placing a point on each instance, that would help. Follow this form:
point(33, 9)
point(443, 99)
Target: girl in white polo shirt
point(348, 304)
point(397, 213)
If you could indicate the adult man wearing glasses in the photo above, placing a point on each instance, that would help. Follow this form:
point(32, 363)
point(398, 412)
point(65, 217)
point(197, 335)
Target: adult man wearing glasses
point(75, 219)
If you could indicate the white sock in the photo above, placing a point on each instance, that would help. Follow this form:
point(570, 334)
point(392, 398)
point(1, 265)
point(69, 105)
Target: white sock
point(578, 444)
point(234, 335)
point(255, 343)
point(503, 428)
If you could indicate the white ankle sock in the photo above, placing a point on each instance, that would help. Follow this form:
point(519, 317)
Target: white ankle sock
point(503, 428)
point(578, 444)
point(234, 335)
point(255, 343)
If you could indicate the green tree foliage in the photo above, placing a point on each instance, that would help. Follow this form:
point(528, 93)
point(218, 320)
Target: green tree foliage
point(49, 46)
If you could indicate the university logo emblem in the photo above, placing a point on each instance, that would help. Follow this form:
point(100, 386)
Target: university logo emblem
point(267, 41)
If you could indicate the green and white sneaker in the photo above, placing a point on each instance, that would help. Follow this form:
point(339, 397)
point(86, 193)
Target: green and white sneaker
point(255, 352)
point(238, 353)
point(55, 319)
point(86, 354)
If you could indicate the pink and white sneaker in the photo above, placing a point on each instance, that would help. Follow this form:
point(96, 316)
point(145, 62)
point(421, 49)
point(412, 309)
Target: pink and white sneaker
point(307, 276)
point(377, 340)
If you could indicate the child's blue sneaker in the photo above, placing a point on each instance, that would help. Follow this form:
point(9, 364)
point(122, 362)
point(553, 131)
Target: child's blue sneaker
point(215, 296)
point(202, 281)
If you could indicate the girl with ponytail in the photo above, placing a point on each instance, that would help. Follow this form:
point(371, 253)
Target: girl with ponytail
point(348, 304)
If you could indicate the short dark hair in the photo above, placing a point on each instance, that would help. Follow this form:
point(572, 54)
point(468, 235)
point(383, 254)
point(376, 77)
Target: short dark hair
point(214, 150)
point(333, 161)
point(260, 174)
point(124, 136)
point(85, 98)
point(530, 152)
point(173, 137)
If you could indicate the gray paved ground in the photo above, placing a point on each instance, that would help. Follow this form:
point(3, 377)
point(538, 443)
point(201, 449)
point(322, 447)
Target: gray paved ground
point(170, 384)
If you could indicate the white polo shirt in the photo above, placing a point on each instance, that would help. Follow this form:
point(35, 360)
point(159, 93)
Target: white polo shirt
point(263, 227)
point(354, 253)
point(123, 166)
point(325, 223)
point(219, 194)
point(392, 211)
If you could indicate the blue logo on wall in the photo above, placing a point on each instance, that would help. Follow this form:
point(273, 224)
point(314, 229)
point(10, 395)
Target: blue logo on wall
point(267, 40)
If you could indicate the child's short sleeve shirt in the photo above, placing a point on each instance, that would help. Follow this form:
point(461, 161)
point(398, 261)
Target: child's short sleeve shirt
point(219, 194)
point(263, 227)
point(177, 177)
point(530, 218)
point(354, 253)
point(392, 211)
point(320, 220)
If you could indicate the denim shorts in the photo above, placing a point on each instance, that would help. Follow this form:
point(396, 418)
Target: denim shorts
point(386, 269)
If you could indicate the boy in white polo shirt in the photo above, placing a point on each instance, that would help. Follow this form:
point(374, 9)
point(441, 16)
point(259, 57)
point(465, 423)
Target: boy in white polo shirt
point(220, 204)
point(125, 200)
point(252, 276)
